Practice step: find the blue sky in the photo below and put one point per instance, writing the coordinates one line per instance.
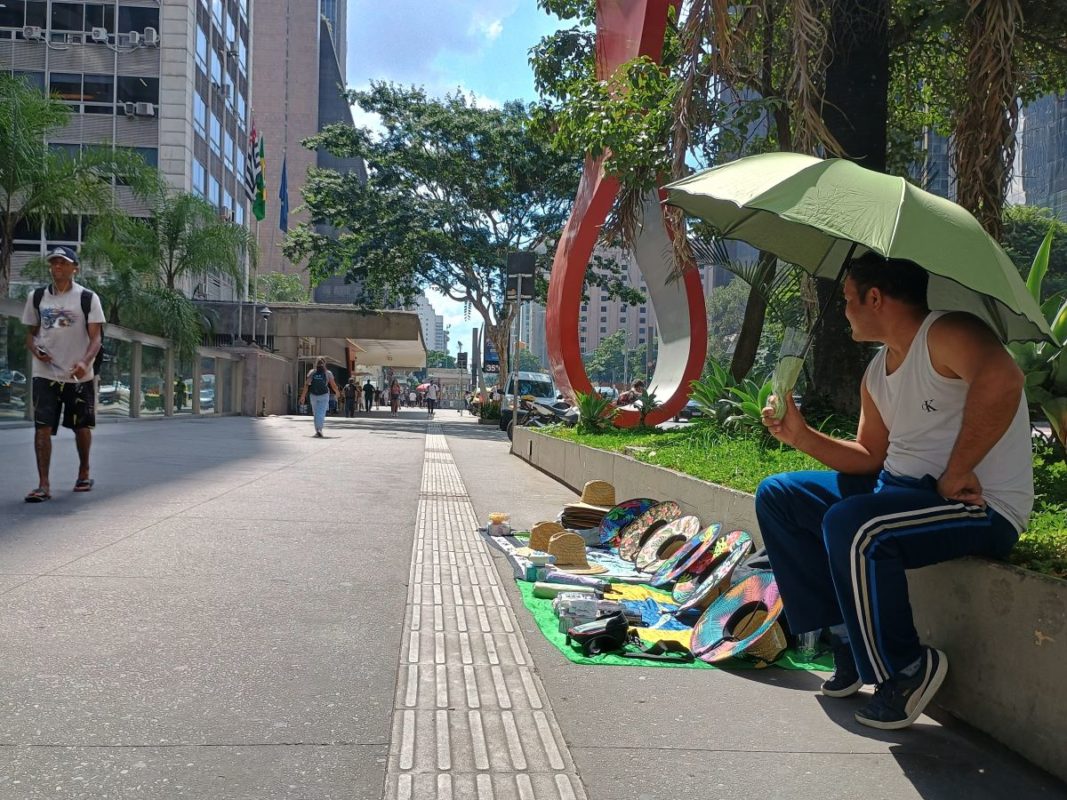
(479, 46)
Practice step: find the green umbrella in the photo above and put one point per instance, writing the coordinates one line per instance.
(817, 213)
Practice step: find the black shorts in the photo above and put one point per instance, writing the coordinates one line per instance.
(431, 404)
(77, 401)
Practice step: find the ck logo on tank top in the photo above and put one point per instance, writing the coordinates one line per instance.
(928, 406)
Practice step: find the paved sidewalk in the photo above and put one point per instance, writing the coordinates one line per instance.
(228, 615)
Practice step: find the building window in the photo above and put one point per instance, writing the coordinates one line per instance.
(641, 320)
(201, 48)
(216, 134)
(239, 214)
(213, 190)
(33, 79)
(603, 329)
(641, 340)
(199, 115)
(99, 16)
(216, 68)
(138, 90)
(67, 86)
(216, 12)
(199, 178)
(68, 17)
(99, 89)
(135, 18)
(603, 319)
(227, 150)
(149, 154)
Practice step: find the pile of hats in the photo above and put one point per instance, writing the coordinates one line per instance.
(597, 499)
(698, 565)
(566, 549)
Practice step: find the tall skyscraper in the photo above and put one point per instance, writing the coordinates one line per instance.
(1044, 154)
(168, 80)
(296, 95)
(336, 13)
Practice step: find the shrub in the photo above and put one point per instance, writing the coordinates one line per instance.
(490, 410)
(595, 412)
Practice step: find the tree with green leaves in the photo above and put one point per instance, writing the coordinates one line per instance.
(607, 362)
(281, 287)
(41, 185)
(1025, 228)
(440, 359)
(136, 263)
(528, 362)
(452, 189)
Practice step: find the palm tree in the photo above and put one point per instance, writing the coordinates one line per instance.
(143, 260)
(40, 185)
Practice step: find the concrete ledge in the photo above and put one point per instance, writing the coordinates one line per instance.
(1003, 628)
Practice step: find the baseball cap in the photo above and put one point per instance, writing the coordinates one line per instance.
(62, 251)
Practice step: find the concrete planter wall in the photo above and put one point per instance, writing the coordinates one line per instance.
(1004, 628)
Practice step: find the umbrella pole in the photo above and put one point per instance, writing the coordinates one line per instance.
(829, 299)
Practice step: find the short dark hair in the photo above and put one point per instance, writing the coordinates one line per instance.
(898, 278)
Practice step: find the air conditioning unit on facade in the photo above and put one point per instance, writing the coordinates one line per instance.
(145, 110)
(226, 214)
(151, 37)
(130, 109)
(99, 35)
(134, 38)
(33, 33)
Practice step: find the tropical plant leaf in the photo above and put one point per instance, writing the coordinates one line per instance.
(1040, 265)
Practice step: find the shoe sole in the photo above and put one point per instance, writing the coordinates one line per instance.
(924, 699)
(848, 691)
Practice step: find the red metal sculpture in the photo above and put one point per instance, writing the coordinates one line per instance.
(626, 29)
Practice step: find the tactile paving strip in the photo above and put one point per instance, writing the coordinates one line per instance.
(471, 718)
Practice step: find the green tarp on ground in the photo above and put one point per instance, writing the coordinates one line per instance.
(548, 622)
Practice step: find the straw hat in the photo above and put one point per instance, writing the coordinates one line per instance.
(744, 621)
(598, 495)
(540, 533)
(569, 550)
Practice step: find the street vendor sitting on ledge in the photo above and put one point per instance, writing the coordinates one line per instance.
(941, 468)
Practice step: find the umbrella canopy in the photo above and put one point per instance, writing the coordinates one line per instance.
(422, 387)
(810, 211)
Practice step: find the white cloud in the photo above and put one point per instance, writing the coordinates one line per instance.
(490, 30)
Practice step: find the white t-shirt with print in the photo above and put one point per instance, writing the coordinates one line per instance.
(431, 392)
(62, 332)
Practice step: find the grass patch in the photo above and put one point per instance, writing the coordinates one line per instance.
(741, 462)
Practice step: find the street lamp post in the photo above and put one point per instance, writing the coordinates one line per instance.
(265, 313)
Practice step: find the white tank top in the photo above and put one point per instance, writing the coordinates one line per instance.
(923, 411)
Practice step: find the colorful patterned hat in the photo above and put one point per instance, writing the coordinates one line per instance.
(622, 515)
(637, 532)
(665, 542)
(744, 621)
(708, 576)
(717, 580)
(677, 565)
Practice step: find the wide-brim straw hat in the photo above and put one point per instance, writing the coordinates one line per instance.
(675, 566)
(596, 495)
(744, 621)
(569, 550)
(622, 515)
(637, 532)
(715, 582)
(665, 542)
(540, 534)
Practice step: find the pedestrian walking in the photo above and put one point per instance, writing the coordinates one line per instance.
(431, 399)
(351, 397)
(319, 387)
(65, 333)
(412, 398)
(394, 397)
(941, 468)
(368, 395)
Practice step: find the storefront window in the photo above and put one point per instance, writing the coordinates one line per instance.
(224, 386)
(152, 374)
(183, 386)
(15, 370)
(207, 386)
(114, 397)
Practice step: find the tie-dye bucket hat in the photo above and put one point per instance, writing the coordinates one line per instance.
(678, 564)
(618, 517)
(743, 622)
(634, 535)
(712, 570)
(665, 542)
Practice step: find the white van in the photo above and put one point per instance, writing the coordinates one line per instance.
(538, 384)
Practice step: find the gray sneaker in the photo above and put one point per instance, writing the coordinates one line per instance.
(900, 700)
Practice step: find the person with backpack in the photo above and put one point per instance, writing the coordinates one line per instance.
(65, 337)
(351, 395)
(319, 386)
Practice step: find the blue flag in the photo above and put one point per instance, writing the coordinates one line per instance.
(283, 197)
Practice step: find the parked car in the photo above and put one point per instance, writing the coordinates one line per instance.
(607, 392)
(207, 399)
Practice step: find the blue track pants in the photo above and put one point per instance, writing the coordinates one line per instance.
(839, 545)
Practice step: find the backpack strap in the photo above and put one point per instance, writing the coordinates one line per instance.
(87, 306)
(38, 294)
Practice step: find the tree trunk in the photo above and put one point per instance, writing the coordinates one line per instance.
(856, 112)
(748, 338)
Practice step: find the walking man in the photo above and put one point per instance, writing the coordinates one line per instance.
(941, 468)
(351, 394)
(65, 324)
(368, 395)
(431, 399)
